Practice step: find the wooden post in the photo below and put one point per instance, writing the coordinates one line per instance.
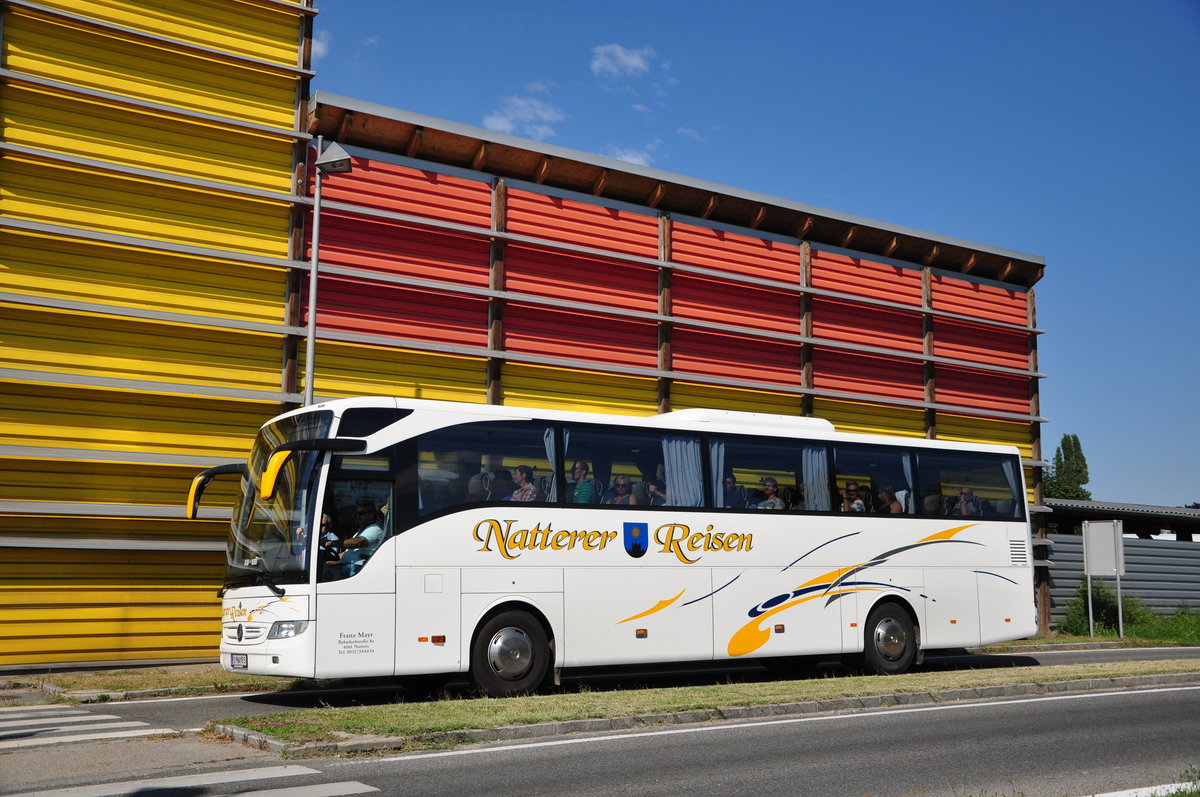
(495, 365)
(664, 308)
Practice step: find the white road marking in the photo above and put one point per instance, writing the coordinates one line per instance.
(179, 781)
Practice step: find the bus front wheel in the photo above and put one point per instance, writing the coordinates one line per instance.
(891, 640)
(510, 655)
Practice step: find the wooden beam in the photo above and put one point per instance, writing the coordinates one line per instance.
(709, 206)
(849, 236)
(543, 169)
(600, 184)
(414, 143)
(656, 195)
(759, 215)
(933, 253)
(1007, 271)
(344, 126)
(970, 264)
(480, 156)
(891, 247)
(805, 228)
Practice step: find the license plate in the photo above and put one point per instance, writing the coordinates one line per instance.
(238, 661)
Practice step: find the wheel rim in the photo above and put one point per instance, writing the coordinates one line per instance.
(510, 653)
(891, 640)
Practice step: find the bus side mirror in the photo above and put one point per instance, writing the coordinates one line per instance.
(203, 479)
(275, 463)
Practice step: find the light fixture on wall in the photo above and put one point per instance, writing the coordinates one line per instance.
(330, 160)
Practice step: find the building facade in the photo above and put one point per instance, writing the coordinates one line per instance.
(156, 221)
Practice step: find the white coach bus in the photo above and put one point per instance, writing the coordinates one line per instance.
(395, 537)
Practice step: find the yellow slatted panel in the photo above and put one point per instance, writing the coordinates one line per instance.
(49, 120)
(849, 416)
(56, 194)
(583, 391)
(250, 29)
(347, 369)
(85, 419)
(79, 55)
(106, 482)
(982, 430)
(686, 394)
(109, 348)
(39, 265)
(67, 605)
(120, 528)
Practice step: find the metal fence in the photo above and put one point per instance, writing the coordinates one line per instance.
(1163, 574)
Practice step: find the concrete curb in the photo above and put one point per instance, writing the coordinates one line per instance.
(370, 744)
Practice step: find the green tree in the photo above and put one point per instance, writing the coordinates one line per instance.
(1069, 471)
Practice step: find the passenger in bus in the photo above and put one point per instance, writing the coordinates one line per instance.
(799, 502)
(966, 505)
(526, 489)
(887, 503)
(733, 497)
(657, 491)
(585, 490)
(622, 492)
(771, 498)
(851, 500)
(502, 486)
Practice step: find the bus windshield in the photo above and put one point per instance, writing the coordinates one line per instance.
(270, 539)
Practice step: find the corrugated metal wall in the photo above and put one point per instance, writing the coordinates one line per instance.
(1165, 575)
(152, 252)
(150, 149)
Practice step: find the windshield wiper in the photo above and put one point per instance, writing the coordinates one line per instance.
(249, 580)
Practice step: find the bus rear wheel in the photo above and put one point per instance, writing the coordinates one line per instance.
(891, 640)
(510, 655)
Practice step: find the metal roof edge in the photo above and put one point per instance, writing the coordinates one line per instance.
(470, 131)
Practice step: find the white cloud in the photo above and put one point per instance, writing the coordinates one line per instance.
(320, 45)
(615, 61)
(540, 86)
(370, 41)
(691, 133)
(642, 157)
(637, 106)
(526, 116)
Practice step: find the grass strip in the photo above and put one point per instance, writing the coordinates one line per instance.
(451, 713)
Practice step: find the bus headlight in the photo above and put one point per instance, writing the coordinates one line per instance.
(286, 629)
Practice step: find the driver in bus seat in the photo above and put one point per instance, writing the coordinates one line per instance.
(359, 548)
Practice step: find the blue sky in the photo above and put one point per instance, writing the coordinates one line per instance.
(1064, 129)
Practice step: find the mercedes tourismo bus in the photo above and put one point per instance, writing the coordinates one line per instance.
(395, 537)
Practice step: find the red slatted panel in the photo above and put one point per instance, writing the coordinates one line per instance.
(859, 277)
(724, 302)
(582, 224)
(846, 372)
(376, 245)
(372, 308)
(734, 357)
(737, 254)
(965, 387)
(557, 275)
(580, 336)
(866, 325)
(980, 344)
(401, 189)
(980, 301)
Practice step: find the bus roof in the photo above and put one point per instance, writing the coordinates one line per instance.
(691, 419)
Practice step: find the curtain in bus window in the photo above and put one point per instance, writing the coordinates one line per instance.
(684, 476)
(548, 439)
(716, 460)
(816, 477)
(1014, 486)
(905, 496)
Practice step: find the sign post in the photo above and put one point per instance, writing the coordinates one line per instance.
(1104, 555)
